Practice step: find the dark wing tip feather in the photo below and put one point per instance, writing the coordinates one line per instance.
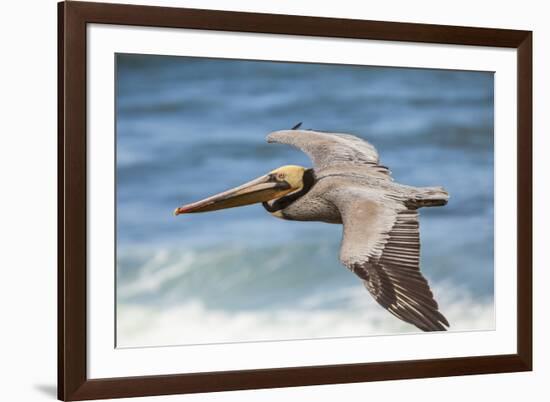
(297, 126)
(404, 299)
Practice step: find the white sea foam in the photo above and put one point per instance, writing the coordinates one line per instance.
(193, 323)
(192, 296)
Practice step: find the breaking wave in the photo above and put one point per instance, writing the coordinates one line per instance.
(174, 297)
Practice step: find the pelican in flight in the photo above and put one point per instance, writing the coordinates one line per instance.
(348, 186)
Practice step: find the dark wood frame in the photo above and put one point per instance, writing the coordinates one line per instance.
(73, 383)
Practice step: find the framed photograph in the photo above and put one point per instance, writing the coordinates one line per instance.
(242, 200)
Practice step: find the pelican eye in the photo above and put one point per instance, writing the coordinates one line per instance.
(281, 176)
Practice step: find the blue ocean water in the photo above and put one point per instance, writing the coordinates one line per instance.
(191, 127)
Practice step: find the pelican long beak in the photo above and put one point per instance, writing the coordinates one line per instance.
(262, 189)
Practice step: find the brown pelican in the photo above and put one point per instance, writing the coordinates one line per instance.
(347, 185)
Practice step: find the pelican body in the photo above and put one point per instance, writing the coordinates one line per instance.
(348, 186)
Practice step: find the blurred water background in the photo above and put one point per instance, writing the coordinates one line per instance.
(188, 128)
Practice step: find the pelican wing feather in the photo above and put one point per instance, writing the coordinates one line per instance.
(381, 245)
(328, 149)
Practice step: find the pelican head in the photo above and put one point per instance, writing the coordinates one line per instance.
(274, 185)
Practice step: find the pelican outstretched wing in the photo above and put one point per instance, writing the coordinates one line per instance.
(328, 149)
(381, 245)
